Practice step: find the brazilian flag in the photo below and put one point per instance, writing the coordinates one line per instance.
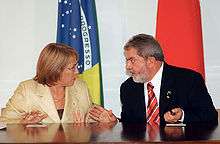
(77, 27)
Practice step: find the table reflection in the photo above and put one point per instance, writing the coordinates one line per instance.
(201, 132)
(107, 132)
(133, 131)
(56, 132)
(173, 133)
(143, 132)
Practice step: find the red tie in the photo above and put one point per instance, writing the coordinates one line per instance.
(152, 107)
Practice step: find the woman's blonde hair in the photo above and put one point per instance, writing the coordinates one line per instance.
(52, 61)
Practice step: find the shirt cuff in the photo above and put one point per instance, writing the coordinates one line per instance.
(182, 118)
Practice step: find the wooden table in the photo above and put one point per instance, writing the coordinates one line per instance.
(101, 133)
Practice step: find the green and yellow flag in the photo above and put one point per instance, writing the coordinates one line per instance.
(77, 27)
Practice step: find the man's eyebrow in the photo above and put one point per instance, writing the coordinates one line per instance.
(129, 58)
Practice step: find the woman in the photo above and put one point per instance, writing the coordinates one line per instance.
(55, 94)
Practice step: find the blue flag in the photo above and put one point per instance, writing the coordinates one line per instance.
(77, 27)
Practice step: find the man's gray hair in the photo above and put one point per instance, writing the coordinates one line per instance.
(146, 46)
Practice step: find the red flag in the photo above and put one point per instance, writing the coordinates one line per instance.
(179, 32)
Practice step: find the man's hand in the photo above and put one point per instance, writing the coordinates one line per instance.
(33, 117)
(173, 115)
(100, 114)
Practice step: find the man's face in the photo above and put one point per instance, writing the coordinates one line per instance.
(136, 66)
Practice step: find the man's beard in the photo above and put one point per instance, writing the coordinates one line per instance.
(138, 78)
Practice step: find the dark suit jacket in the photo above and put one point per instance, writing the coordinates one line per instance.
(182, 87)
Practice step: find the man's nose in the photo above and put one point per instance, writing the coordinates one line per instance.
(128, 66)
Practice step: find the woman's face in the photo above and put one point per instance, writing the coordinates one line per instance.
(69, 74)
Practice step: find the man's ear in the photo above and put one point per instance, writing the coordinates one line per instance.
(151, 61)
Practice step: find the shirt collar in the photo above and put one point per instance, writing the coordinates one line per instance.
(156, 80)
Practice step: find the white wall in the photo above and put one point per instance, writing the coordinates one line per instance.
(118, 20)
(211, 38)
(26, 26)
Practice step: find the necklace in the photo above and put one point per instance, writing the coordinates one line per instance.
(58, 94)
(59, 104)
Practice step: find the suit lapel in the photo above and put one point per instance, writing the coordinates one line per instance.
(46, 102)
(142, 99)
(71, 102)
(138, 100)
(166, 90)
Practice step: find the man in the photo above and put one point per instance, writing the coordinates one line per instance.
(160, 93)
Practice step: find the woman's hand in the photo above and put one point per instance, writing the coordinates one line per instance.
(102, 127)
(100, 114)
(33, 117)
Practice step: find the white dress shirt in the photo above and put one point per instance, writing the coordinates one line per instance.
(156, 82)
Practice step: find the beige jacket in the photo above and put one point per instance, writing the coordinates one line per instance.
(31, 96)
